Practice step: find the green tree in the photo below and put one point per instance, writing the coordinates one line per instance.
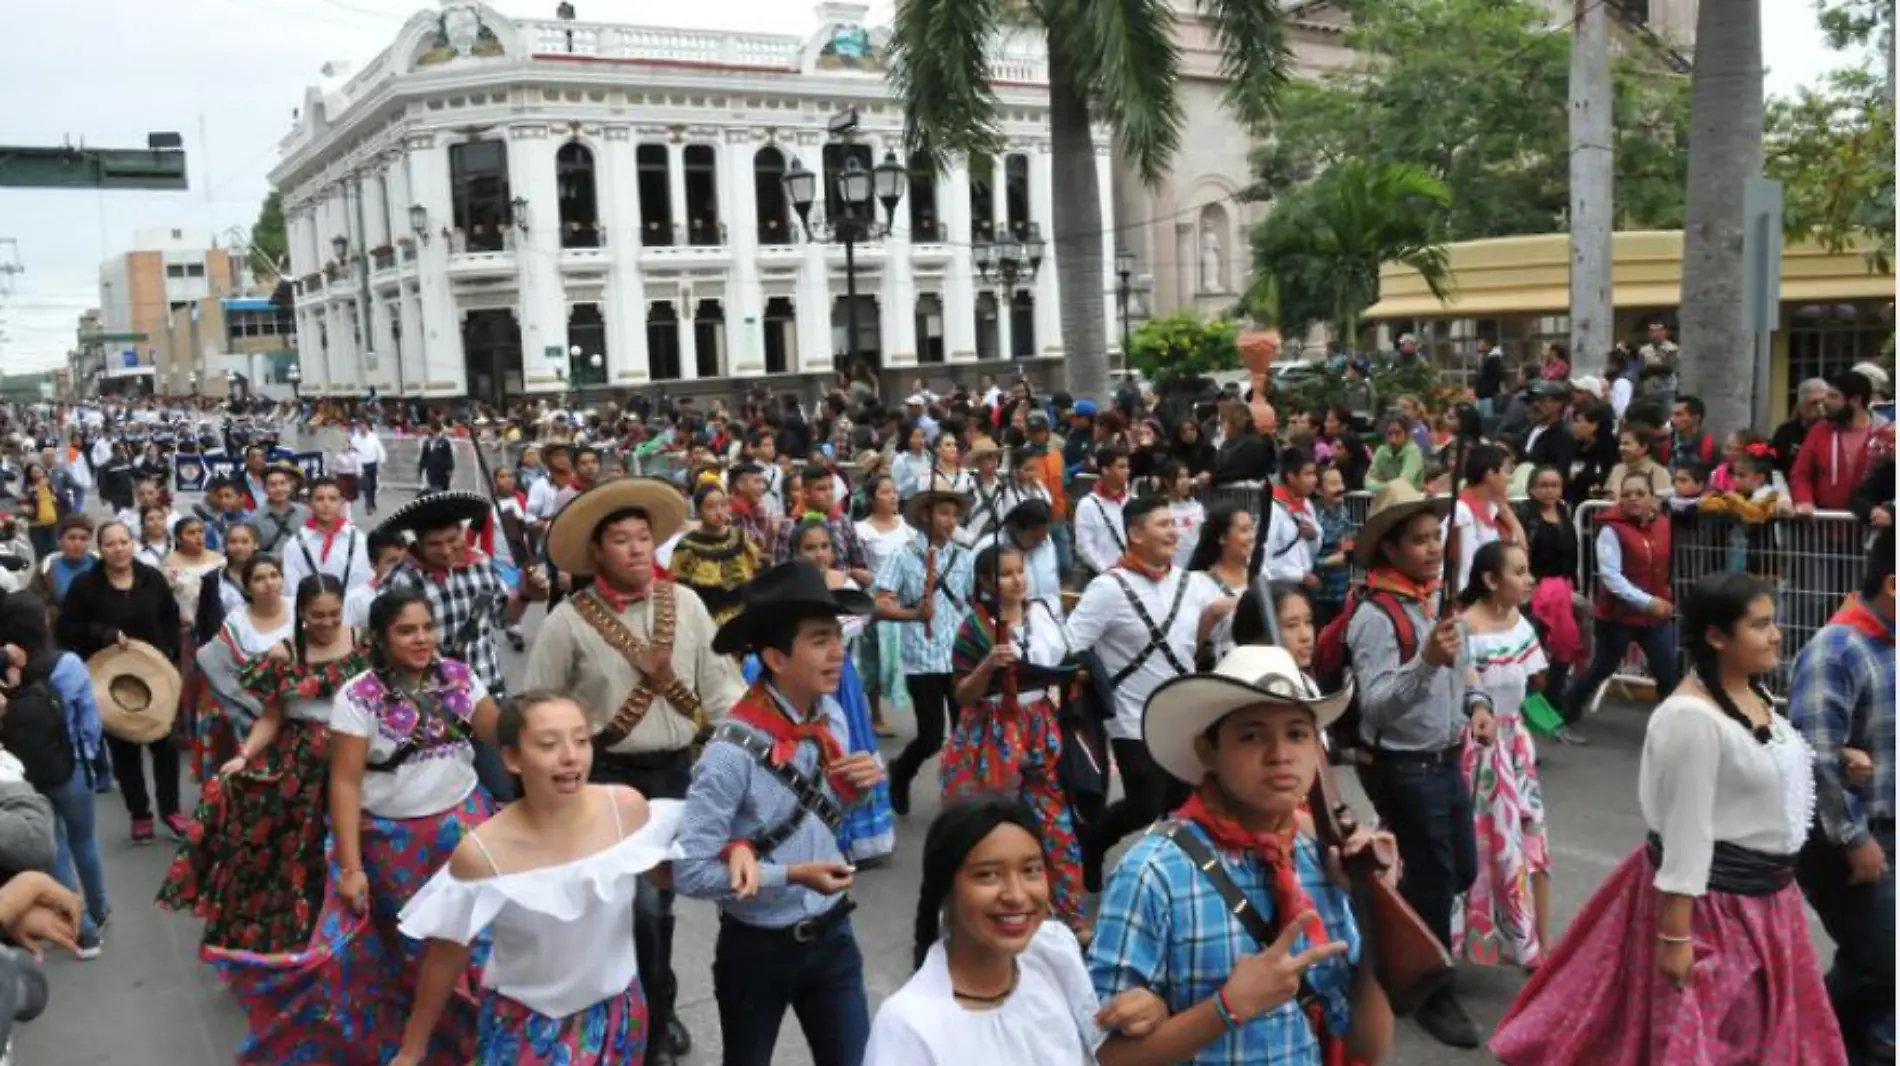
(1114, 62)
(1181, 347)
(1317, 254)
(1476, 91)
(270, 247)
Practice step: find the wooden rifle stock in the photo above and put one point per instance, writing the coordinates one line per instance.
(1407, 958)
(930, 584)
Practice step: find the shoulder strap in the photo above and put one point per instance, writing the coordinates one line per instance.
(1402, 627)
(634, 709)
(807, 791)
(476, 838)
(1157, 635)
(1101, 509)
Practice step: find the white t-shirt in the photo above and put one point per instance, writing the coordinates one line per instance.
(1049, 1020)
(429, 782)
(1189, 517)
(879, 546)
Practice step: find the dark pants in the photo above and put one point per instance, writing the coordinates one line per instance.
(1860, 919)
(129, 768)
(933, 697)
(655, 775)
(492, 772)
(1613, 640)
(757, 973)
(1426, 807)
(1148, 792)
(366, 485)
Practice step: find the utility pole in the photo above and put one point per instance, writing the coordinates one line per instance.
(1592, 185)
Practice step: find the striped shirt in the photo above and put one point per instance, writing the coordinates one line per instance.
(1842, 696)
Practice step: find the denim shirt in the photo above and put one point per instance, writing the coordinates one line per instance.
(72, 685)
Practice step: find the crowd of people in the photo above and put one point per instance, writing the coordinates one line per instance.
(400, 850)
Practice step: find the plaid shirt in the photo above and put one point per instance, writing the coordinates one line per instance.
(1162, 927)
(1843, 697)
(846, 549)
(757, 525)
(903, 577)
(841, 431)
(1334, 527)
(468, 604)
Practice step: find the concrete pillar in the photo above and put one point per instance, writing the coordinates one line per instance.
(542, 298)
(959, 291)
(616, 184)
(744, 301)
(676, 179)
(1105, 177)
(442, 369)
(688, 339)
(1048, 288)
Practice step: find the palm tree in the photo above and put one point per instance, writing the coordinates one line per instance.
(1725, 149)
(1317, 253)
(1110, 61)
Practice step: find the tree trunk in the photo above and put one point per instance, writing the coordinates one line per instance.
(1078, 233)
(1725, 149)
(1592, 184)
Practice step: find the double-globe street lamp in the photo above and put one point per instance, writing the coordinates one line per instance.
(1010, 259)
(855, 222)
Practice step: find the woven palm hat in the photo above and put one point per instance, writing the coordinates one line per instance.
(137, 690)
(571, 534)
(1393, 507)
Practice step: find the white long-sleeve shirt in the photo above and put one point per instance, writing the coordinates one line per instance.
(1472, 535)
(1289, 555)
(1101, 537)
(347, 559)
(1610, 571)
(1105, 621)
(368, 448)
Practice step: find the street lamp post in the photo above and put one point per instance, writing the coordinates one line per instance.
(1125, 272)
(856, 222)
(1010, 260)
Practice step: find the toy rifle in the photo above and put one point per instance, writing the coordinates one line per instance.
(930, 584)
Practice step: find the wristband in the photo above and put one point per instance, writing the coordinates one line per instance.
(1227, 1016)
(1667, 939)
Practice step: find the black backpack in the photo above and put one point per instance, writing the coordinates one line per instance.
(34, 730)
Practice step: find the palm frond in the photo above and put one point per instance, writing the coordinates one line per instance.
(1123, 51)
(939, 64)
(1256, 60)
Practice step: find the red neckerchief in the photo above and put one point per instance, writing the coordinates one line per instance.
(1156, 574)
(1385, 579)
(441, 575)
(329, 535)
(618, 602)
(1857, 615)
(1481, 513)
(760, 710)
(1275, 852)
(1296, 505)
(1111, 497)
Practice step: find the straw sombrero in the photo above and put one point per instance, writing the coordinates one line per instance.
(137, 690)
(572, 532)
(917, 509)
(1392, 507)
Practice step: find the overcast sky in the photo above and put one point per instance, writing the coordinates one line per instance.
(225, 74)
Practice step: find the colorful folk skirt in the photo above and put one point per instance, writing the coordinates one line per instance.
(215, 736)
(869, 829)
(990, 751)
(881, 664)
(1498, 922)
(343, 999)
(1754, 997)
(253, 865)
(612, 1032)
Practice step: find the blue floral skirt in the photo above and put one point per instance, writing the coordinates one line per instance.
(612, 1032)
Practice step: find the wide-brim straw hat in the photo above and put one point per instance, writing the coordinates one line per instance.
(917, 509)
(786, 592)
(571, 535)
(137, 690)
(983, 449)
(1182, 709)
(436, 510)
(1392, 507)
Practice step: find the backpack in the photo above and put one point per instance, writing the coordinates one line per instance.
(34, 730)
(1332, 658)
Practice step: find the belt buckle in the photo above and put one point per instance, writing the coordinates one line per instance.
(803, 933)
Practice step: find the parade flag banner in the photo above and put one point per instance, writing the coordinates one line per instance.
(191, 473)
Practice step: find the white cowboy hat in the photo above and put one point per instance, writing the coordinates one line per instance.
(1183, 708)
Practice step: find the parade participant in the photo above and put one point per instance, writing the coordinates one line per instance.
(155, 537)
(1842, 701)
(467, 597)
(1100, 530)
(926, 588)
(1483, 513)
(987, 493)
(327, 543)
(223, 509)
(883, 533)
(761, 450)
(1189, 514)
(75, 557)
(715, 559)
(435, 460)
(1292, 529)
(1144, 620)
(402, 794)
(1696, 949)
(1223, 555)
(1028, 527)
(253, 867)
(281, 516)
(586, 476)
(749, 511)
(911, 466)
(145, 494)
(543, 493)
(40, 507)
(635, 650)
(119, 601)
(1008, 741)
(227, 710)
(1229, 911)
(995, 983)
(821, 498)
(115, 478)
(563, 984)
(185, 568)
(386, 549)
(1633, 597)
(773, 784)
(1506, 913)
(370, 456)
(1415, 705)
(251, 480)
(222, 590)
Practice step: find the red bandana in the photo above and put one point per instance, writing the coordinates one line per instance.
(617, 602)
(1384, 579)
(441, 575)
(1858, 615)
(760, 710)
(1289, 898)
(329, 535)
(1111, 497)
(1297, 505)
(1152, 573)
(1482, 514)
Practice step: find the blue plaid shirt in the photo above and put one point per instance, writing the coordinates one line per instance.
(1162, 927)
(1842, 696)
(1334, 527)
(903, 577)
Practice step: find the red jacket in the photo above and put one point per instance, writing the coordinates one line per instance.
(1825, 474)
(1645, 564)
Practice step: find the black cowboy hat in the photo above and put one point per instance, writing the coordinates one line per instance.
(786, 592)
(434, 511)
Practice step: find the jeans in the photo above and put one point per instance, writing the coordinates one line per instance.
(79, 500)
(1613, 640)
(492, 772)
(757, 973)
(933, 698)
(656, 775)
(1426, 807)
(1148, 792)
(366, 485)
(73, 813)
(1860, 919)
(129, 768)
(45, 540)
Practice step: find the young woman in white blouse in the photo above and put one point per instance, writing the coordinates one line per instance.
(1696, 950)
(996, 983)
(552, 879)
(883, 533)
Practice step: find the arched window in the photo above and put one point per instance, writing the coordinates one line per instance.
(922, 194)
(709, 338)
(574, 180)
(663, 342)
(656, 195)
(929, 328)
(586, 345)
(768, 192)
(834, 156)
(702, 195)
(982, 200)
(781, 335)
(479, 196)
(1016, 193)
(986, 327)
(1022, 324)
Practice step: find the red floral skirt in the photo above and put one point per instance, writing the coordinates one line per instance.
(253, 864)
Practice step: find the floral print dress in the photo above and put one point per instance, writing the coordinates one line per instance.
(1498, 922)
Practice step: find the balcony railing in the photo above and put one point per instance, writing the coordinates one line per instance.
(601, 41)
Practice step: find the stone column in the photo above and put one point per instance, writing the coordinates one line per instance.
(542, 297)
(676, 180)
(1104, 178)
(744, 301)
(616, 183)
(441, 367)
(815, 346)
(688, 339)
(1048, 288)
(959, 288)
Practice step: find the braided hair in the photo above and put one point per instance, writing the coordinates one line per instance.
(1720, 601)
(308, 591)
(989, 563)
(383, 612)
(953, 835)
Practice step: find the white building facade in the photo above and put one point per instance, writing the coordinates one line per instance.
(497, 207)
